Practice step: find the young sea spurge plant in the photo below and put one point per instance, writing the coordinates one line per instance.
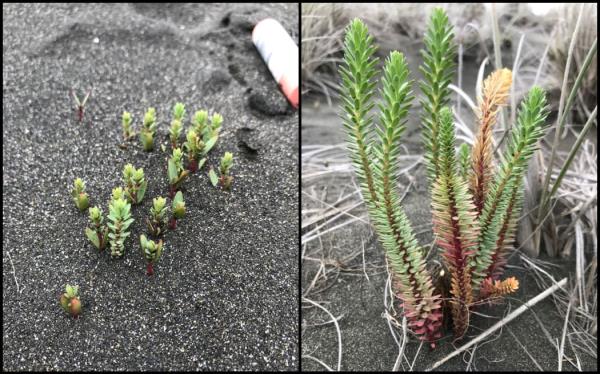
(79, 195)
(226, 163)
(135, 184)
(158, 217)
(70, 302)
(175, 133)
(175, 171)
(178, 210)
(148, 130)
(97, 233)
(194, 146)
(126, 121)
(475, 208)
(151, 252)
(177, 124)
(209, 132)
(81, 103)
(119, 218)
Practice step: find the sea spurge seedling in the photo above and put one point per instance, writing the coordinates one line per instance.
(135, 183)
(199, 122)
(209, 133)
(70, 302)
(178, 209)
(151, 252)
(175, 171)
(81, 103)
(117, 193)
(97, 233)
(79, 195)
(119, 221)
(127, 129)
(194, 146)
(179, 111)
(158, 217)
(226, 162)
(175, 133)
(475, 209)
(148, 129)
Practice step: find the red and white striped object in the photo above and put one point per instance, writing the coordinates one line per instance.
(280, 53)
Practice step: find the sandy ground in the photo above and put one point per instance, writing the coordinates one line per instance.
(224, 294)
(367, 342)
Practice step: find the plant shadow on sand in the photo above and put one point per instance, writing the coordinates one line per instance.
(224, 293)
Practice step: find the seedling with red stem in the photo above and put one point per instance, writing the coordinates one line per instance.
(81, 103)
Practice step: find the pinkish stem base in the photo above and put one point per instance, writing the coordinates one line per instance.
(149, 269)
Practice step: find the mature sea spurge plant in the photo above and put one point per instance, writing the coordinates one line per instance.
(474, 206)
(158, 217)
(148, 129)
(70, 302)
(79, 195)
(178, 209)
(97, 233)
(175, 171)
(135, 183)
(126, 120)
(119, 218)
(151, 252)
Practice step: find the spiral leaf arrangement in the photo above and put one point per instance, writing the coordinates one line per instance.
(475, 208)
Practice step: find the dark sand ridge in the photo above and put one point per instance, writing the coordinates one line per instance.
(224, 294)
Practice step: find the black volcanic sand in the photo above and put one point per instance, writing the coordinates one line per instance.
(367, 342)
(224, 294)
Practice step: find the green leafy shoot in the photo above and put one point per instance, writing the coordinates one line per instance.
(135, 183)
(126, 121)
(226, 162)
(80, 197)
(97, 233)
(175, 171)
(178, 209)
(119, 220)
(157, 221)
(148, 129)
(151, 252)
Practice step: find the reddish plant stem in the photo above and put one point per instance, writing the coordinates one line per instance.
(172, 223)
(149, 269)
(193, 165)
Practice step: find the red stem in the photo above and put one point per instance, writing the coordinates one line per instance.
(172, 223)
(149, 269)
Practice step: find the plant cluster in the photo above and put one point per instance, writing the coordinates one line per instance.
(70, 302)
(475, 205)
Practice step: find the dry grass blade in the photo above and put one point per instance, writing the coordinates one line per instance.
(337, 327)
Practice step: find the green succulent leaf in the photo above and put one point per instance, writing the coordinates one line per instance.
(93, 237)
(214, 179)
